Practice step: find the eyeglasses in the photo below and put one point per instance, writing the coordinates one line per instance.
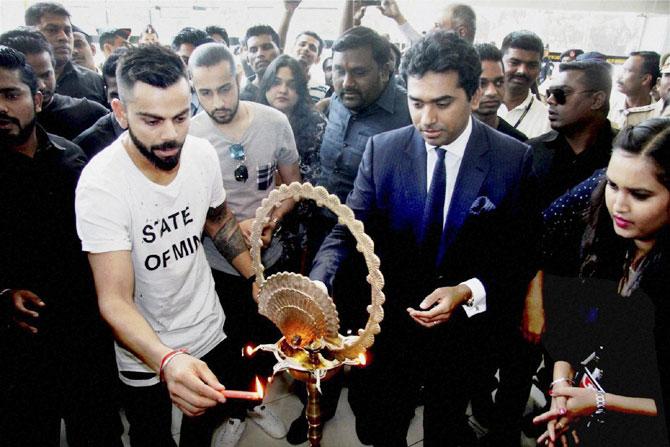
(561, 95)
(236, 152)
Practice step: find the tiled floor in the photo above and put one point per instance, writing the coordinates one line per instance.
(338, 432)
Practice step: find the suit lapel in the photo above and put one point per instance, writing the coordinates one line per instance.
(474, 167)
(414, 179)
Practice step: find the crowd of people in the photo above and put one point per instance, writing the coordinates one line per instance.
(521, 216)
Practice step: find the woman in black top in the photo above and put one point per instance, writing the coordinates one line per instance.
(607, 316)
(284, 87)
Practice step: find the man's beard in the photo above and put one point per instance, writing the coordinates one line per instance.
(10, 141)
(226, 118)
(164, 164)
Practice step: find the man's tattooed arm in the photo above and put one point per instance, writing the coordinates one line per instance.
(222, 227)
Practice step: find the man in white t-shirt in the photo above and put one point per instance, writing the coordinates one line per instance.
(522, 59)
(253, 143)
(142, 205)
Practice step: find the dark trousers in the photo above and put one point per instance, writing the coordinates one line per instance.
(384, 395)
(517, 361)
(149, 409)
(49, 376)
(245, 326)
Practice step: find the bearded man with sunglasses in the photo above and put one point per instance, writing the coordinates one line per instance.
(581, 137)
(254, 144)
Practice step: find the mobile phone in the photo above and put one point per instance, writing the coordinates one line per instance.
(371, 2)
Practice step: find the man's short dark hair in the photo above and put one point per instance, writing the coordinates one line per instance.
(190, 35)
(155, 65)
(27, 40)
(11, 59)
(523, 40)
(109, 35)
(314, 35)
(360, 37)
(488, 52)
(109, 67)
(596, 76)
(259, 30)
(213, 29)
(651, 64)
(465, 16)
(211, 54)
(35, 12)
(440, 51)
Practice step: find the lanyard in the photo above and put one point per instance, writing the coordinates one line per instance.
(525, 112)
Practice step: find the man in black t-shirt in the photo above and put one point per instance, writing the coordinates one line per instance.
(58, 357)
(106, 129)
(581, 137)
(53, 21)
(62, 115)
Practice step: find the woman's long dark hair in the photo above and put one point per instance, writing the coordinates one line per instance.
(602, 250)
(302, 118)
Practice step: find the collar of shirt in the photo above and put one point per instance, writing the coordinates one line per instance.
(522, 106)
(456, 147)
(387, 99)
(44, 142)
(67, 69)
(649, 107)
(452, 160)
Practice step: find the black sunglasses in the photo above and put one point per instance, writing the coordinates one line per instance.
(236, 152)
(560, 95)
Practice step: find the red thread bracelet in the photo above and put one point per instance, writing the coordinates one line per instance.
(167, 358)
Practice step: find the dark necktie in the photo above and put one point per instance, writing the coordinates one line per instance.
(433, 213)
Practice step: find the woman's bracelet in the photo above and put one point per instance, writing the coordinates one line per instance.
(167, 358)
(559, 380)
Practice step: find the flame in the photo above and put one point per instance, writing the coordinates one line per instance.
(362, 359)
(259, 388)
(249, 350)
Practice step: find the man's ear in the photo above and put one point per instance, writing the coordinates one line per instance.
(37, 101)
(476, 97)
(94, 50)
(474, 106)
(461, 31)
(386, 70)
(649, 80)
(107, 48)
(120, 112)
(599, 100)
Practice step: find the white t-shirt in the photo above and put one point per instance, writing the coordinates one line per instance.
(118, 208)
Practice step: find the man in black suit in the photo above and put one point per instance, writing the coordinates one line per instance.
(448, 203)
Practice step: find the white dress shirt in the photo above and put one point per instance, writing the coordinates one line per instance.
(452, 161)
(533, 123)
